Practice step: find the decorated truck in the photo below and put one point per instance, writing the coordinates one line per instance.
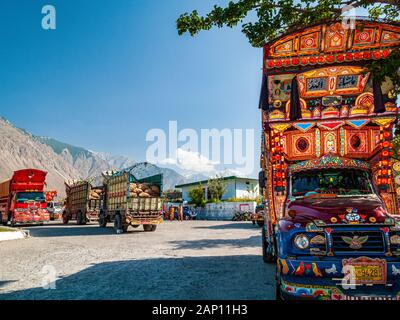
(331, 211)
(54, 208)
(83, 203)
(130, 201)
(22, 200)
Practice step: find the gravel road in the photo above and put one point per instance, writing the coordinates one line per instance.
(187, 260)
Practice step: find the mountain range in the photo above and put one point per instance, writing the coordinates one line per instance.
(20, 149)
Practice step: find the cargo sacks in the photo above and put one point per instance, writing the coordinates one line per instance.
(143, 190)
(95, 194)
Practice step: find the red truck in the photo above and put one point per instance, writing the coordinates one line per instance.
(22, 200)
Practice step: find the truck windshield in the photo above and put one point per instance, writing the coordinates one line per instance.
(30, 196)
(340, 182)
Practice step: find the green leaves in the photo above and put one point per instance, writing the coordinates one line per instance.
(274, 17)
(197, 196)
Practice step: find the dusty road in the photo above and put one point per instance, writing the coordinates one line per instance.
(188, 260)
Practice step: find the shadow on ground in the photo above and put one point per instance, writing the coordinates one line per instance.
(253, 241)
(3, 283)
(233, 225)
(219, 277)
(59, 230)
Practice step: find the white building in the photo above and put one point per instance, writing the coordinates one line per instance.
(236, 187)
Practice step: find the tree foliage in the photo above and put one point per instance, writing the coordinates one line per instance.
(197, 196)
(275, 17)
(216, 188)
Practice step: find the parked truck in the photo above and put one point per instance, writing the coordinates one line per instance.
(130, 201)
(22, 200)
(331, 215)
(83, 202)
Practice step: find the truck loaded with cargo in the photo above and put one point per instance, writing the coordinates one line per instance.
(132, 202)
(83, 202)
(123, 200)
(22, 200)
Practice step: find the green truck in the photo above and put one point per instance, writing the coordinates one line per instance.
(129, 201)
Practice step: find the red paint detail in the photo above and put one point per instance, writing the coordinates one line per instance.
(295, 61)
(300, 269)
(330, 58)
(340, 57)
(349, 56)
(377, 55)
(358, 55)
(385, 53)
(367, 55)
(385, 229)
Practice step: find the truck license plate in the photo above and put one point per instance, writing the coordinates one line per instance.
(366, 270)
(369, 274)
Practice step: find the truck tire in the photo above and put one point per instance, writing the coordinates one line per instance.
(268, 251)
(118, 224)
(79, 218)
(65, 218)
(278, 290)
(102, 221)
(149, 227)
(4, 223)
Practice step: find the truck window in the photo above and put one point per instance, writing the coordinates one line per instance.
(340, 182)
(30, 196)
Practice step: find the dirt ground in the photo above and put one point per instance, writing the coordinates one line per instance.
(188, 260)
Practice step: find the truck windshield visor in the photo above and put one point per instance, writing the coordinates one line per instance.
(23, 197)
(341, 182)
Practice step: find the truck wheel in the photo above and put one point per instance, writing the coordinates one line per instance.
(79, 218)
(149, 227)
(278, 290)
(260, 223)
(102, 221)
(65, 219)
(268, 252)
(118, 224)
(4, 223)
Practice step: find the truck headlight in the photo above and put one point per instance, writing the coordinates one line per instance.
(301, 241)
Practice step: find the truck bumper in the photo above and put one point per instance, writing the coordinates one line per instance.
(324, 280)
(142, 221)
(30, 218)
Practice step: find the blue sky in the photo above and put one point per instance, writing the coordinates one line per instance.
(112, 70)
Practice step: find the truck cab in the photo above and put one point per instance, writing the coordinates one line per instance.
(331, 217)
(22, 200)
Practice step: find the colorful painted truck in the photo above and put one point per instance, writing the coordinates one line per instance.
(132, 202)
(83, 203)
(22, 200)
(331, 211)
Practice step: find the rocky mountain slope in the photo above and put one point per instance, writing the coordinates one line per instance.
(19, 149)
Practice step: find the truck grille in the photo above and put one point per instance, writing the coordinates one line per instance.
(365, 241)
